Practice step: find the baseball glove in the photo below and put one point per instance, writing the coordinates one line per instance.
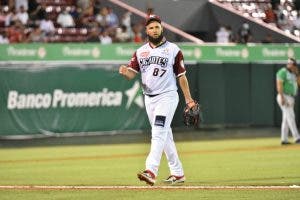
(192, 116)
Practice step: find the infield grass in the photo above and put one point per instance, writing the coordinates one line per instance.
(236, 162)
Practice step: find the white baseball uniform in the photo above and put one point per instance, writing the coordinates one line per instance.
(290, 88)
(159, 68)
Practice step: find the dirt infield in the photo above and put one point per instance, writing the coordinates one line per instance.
(51, 187)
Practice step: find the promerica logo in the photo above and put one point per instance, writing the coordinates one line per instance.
(61, 99)
(273, 52)
(26, 52)
(77, 51)
(238, 53)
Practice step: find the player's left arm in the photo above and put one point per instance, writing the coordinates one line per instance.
(180, 71)
(184, 85)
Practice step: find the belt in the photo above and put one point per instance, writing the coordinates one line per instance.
(151, 95)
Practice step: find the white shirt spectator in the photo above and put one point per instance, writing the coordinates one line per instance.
(3, 39)
(105, 38)
(222, 35)
(64, 19)
(296, 22)
(22, 15)
(47, 26)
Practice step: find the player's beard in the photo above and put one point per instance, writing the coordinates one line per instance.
(156, 41)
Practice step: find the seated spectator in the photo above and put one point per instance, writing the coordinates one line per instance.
(101, 17)
(122, 35)
(39, 13)
(105, 38)
(47, 26)
(3, 38)
(2, 17)
(126, 20)
(222, 35)
(94, 35)
(137, 33)
(112, 19)
(15, 33)
(65, 20)
(36, 35)
(270, 15)
(296, 22)
(22, 15)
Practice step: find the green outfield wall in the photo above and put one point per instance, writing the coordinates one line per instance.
(54, 89)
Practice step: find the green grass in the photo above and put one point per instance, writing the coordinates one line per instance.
(235, 162)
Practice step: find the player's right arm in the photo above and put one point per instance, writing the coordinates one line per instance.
(130, 71)
(126, 72)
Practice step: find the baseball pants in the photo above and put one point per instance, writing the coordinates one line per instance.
(160, 110)
(288, 118)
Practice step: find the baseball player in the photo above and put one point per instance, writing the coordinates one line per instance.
(160, 62)
(287, 81)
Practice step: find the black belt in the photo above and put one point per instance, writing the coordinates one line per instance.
(151, 95)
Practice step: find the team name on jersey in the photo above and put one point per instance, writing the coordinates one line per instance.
(144, 62)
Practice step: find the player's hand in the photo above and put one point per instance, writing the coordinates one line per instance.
(190, 104)
(283, 101)
(123, 70)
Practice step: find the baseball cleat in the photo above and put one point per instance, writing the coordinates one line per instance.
(285, 143)
(297, 141)
(147, 176)
(175, 179)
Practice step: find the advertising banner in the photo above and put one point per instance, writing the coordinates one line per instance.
(122, 52)
(68, 99)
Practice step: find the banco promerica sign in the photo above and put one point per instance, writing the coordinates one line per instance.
(68, 99)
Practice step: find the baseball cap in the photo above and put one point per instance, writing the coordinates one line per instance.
(292, 61)
(151, 18)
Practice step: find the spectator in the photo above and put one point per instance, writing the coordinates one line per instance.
(112, 19)
(105, 38)
(101, 17)
(9, 16)
(270, 15)
(2, 17)
(126, 20)
(97, 6)
(245, 34)
(296, 22)
(36, 35)
(65, 20)
(22, 15)
(122, 34)
(3, 38)
(75, 12)
(232, 37)
(39, 13)
(222, 35)
(137, 33)
(47, 26)
(15, 33)
(94, 35)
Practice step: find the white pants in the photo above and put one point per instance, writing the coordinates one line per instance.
(160, 110)
(288, 118)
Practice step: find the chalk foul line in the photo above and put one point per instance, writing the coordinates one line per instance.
(51, 187)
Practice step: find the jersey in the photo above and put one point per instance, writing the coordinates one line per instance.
(289, 79)
(158, 66)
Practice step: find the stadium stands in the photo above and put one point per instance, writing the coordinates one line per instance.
(281, 14)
